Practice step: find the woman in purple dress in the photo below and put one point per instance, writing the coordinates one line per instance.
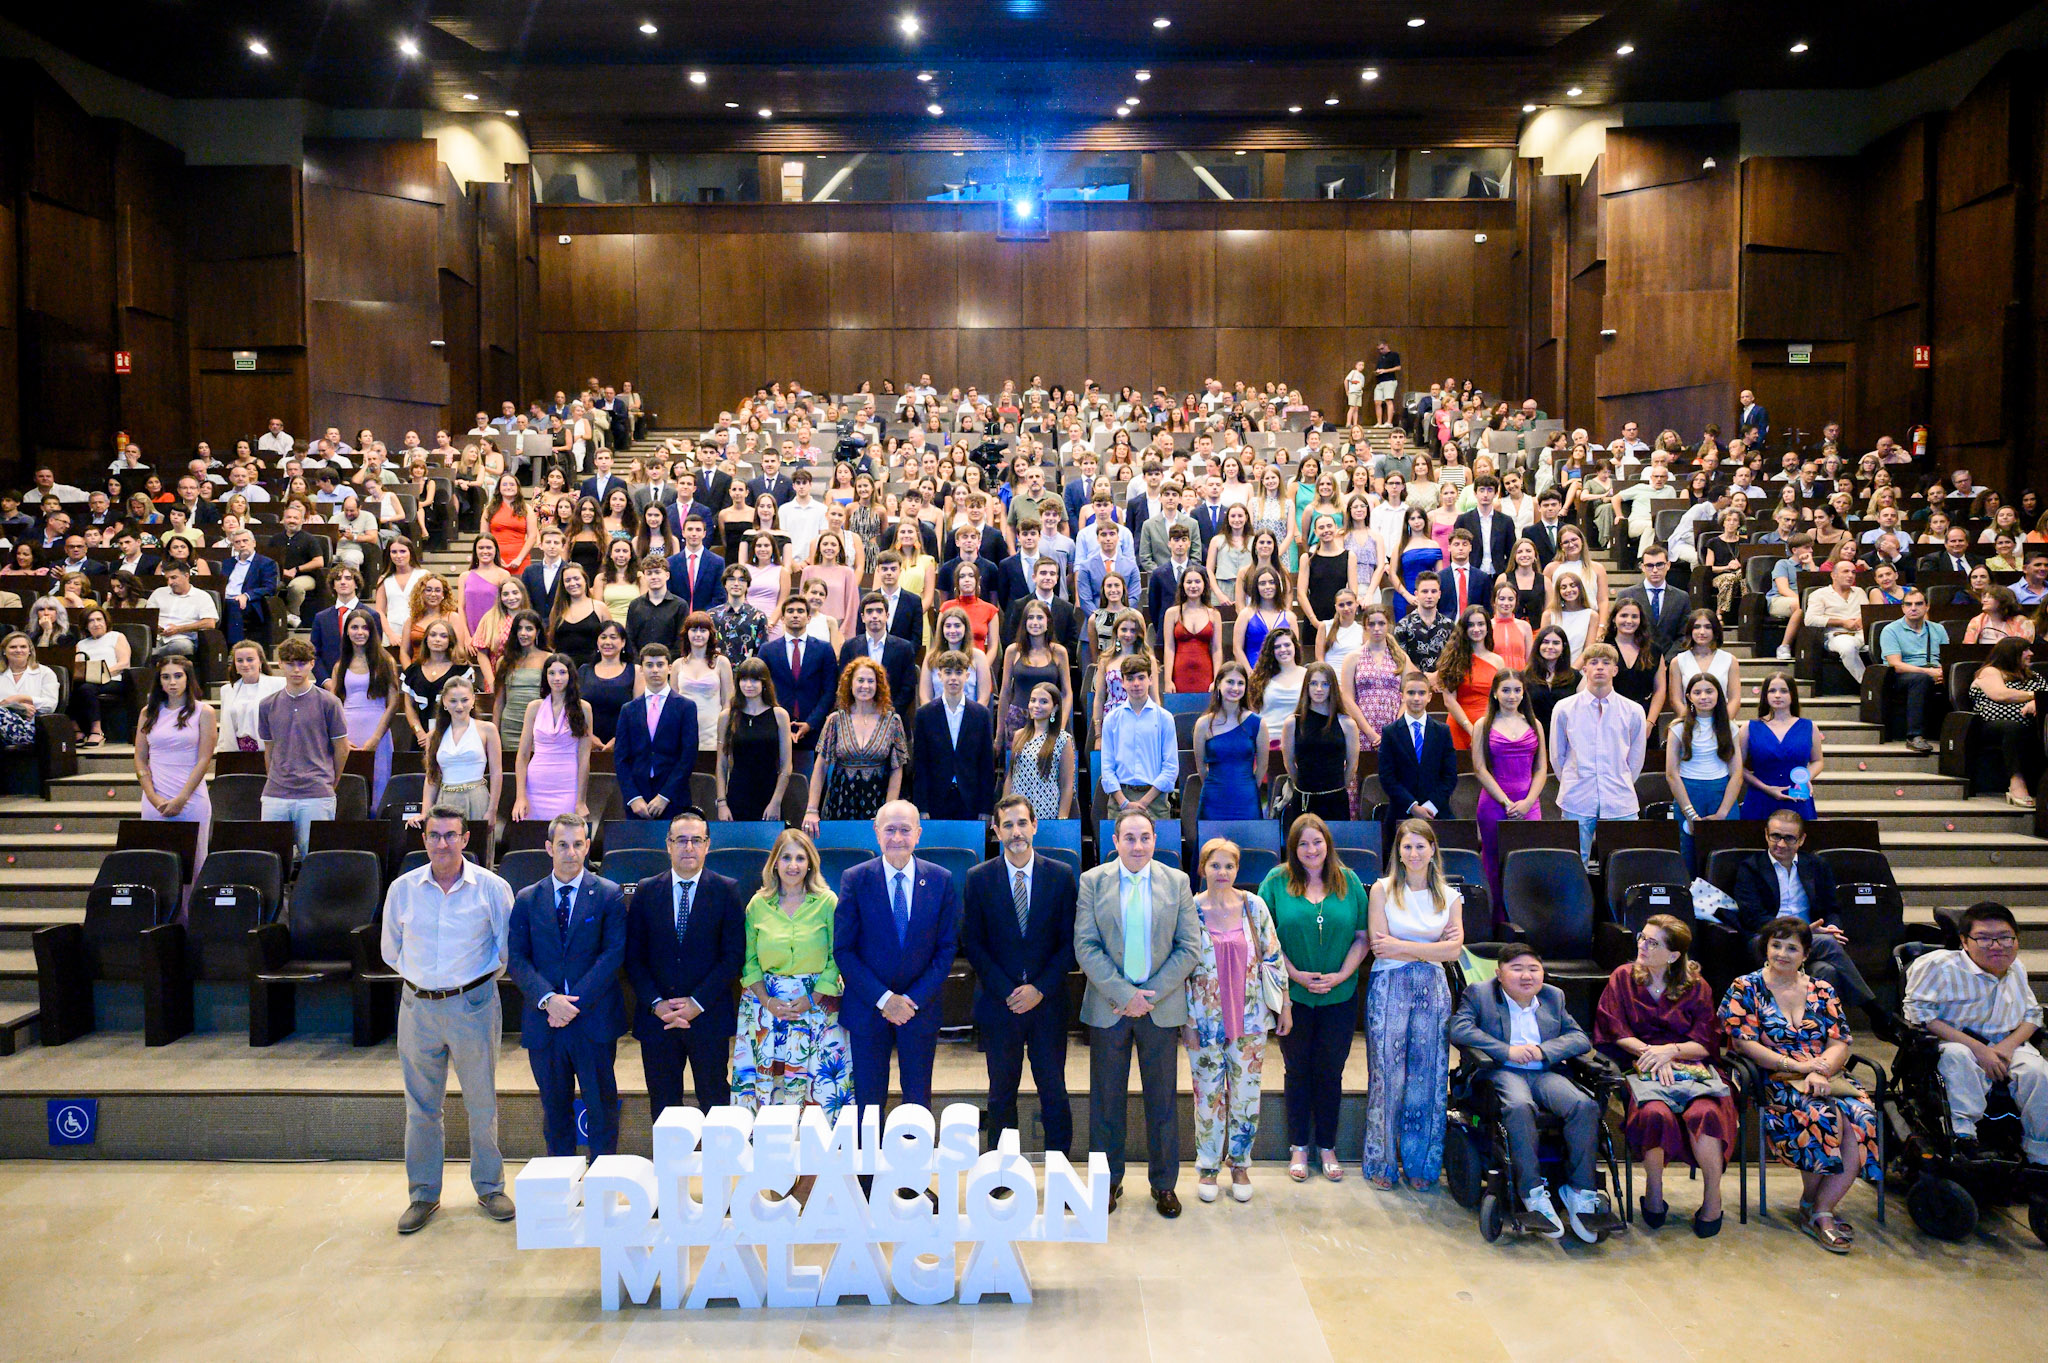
(366, 680)
(174, 740)
(554, 748)
(1508, 758)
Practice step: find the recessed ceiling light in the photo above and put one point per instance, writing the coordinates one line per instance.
(1239, 153)
(1294, 108)
(959, 153)
(511, 113)
(1329, 101)
(647, 27)
(470, 97)
(1370, 73)
(1142, 76)
(698, 78)
(408, 48)
(1123, 111)
(731, 104)
(934, 109)
(1528, 108)
(1162, 23)
(1798, 48)
(908, 23)
(257, 48)
(1417, 23)
(1130, 99)
(1422, 151)
(924, 76)
(1574, 92)
(1624, 49)
(766, 113)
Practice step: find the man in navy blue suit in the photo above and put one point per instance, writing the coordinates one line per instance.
(898, 659)
(806, 678)
(344, 585)
(603, 480)
(568, 940)
(250, 583)
(544, 574)
(1017, 929)
(952, 747)
(1418, 766)
(685, 941)
(1464, 585)
(893, 938)
(656, 747)
(1015, 575)
(695, 573)
(687, 503)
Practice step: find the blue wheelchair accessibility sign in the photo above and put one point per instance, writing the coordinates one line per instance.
(74, 1121)
(582, 1123)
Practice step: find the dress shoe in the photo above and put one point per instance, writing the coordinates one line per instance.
(417, 1215)
(1167, 1201)
(497, 1206)
(1703, 1228)
(1116, 1195)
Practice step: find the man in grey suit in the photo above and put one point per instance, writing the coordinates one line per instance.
(1136, 936)
(1521, 1031)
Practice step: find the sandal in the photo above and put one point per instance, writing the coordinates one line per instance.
(1332, 1170)
(92, 741)
(1385, 1185)
(1826, 1232)
(1421, 1185)
(1297, 1163)
(1240, 1183)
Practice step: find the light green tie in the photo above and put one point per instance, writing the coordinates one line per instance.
(1137, 936)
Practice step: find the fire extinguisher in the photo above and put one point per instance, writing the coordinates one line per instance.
(1919, 442)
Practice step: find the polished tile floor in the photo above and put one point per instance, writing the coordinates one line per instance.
(232, 1262)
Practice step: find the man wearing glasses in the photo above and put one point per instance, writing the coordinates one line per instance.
(446, 930)
(1782, 883)
(685, 937)
(1978, 1002)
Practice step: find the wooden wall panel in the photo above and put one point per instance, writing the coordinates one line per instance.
(986, 356)
(730, 289)
(1247, 279)
(1054, 281)
(393, 168)
(731, 365)
(1312, 270)
(1119, 279)
(1184, 279)
(931, 351)
(667, 378)
(796, 280)
(1120, 355)
(234, 212)
(1053, 351)
(991, 280)
(927, 278)
(792, 354)
(246, 304)
(1253, 352)
(1376, 267)
(1442, 288)
(1799, 203)
(665, 281)
(1182, 357)
(227, 402)
(1889, 394)
(1666, 340)
(1973, 294)
(462, 354)
(1678, 237)
(373, 246)
(860, 356)
(1651, 157)
(1976, 154)
(862, 283)
(369, 348)
(1803, 397)
(498, 270)
(1794, 296)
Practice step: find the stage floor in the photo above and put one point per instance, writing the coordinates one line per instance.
(250, 1262)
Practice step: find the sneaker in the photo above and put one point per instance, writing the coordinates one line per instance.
(1536, 1202)
(497, 1206)
(416, 1215)
(291, 622)
(1580, 1203)
(1784, 653)
(1919, 744)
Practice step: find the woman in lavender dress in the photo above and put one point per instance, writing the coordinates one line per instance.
(173, 749)
(1508, 758)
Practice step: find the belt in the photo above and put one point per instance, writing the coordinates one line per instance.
(420, 993)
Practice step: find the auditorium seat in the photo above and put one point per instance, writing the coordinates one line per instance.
(238, 798)
(1549, 902)
(524, 867)
(641, 834)
(628, 866)
(1166, 845)
(1258, 842)
(335, 896)
(163, 835)
(132, 893)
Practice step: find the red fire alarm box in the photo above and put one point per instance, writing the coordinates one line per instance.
(124, 363)
(1923, 357)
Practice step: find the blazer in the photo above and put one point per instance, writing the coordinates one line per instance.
(1066, 622)
(1409, 777)
(991, 573)
(1501, 532)
(661, 763)
(709, 588)
(1161, 587)
(872, 958)
(327, 637)
(1012, 583)
(678, 512)
(1939, 562)
(600, 487)
(714, 489)
(808, 699)
(907, 623)
(647, 495)
(899, 664)
(1668, 624)
(779, 485)
(1755, 415)
(1478, 591)
(1078, 493)
(1099, 939)
(538, 593)
(586, 965)
(1480, 1026)
(1207, 523)
(1544, 540)
(704, 966)
(260, 581)
(949, 782)
(1004, 955)
(1755, 890)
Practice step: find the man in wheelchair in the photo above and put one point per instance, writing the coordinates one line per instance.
(1978, 1004)
(1522, 1033)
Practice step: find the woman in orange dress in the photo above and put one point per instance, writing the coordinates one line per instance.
(1464, 675)
(981, 614)
(510, 522)
(1511, 633)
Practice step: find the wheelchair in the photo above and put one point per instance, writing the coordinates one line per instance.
(1948, 1185)
(1476, 1151)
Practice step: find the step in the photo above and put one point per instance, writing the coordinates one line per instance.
(56, 850)
(17, 1024)
(1876, 757)
(45, 888)
(121, 783)
(1835, 784)
(24, 817)
(1961, 886)
(18, 927)
(1907, 848)
(1931, 816)
(17, 965)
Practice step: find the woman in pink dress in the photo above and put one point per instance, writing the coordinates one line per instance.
(480, 584)
(1508, 759)
(554, 749)
(366, 680)
(174, 740)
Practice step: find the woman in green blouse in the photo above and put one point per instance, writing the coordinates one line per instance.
(1319, 910)
(790, 1048)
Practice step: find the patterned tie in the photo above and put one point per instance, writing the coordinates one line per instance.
(1020, 893)
(899, 904)
(564, 896)
(684, 890)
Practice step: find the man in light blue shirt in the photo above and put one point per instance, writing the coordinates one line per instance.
(1911, 648)
(1140, 747)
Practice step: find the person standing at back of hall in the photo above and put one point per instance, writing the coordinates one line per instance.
(305, 738)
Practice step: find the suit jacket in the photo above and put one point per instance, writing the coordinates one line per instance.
(872, 958)
(678, 512)
(1544, 540)
(899, 664)
(647, 495)
(779, 485)
(660, 763)
(1667, 625)
(1207, 523)
(808, 699)
(1152, 546)
(714, 489)
(1481, 1025)
(538, 591)
(709, 588)
(907, 623)
(1066, 623)
(1099, 943)
(991, 571)
(1904, 564)
(1755, 415)
(1161, 587)
(1755, 890)
(1004, 955)
(1411, 778)
(949, 782)
(259, 584)
(1077, 494)
(327, 637)
(600, 487)
(1940, 562)
(1478, 592)
(1501, 531)
(586, 965)
(1012, 582)
(704, 966)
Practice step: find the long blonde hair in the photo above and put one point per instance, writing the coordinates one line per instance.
(814, 879)
(1394, 881)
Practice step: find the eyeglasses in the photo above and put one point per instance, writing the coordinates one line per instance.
(457, 836)
(2003, 939)
(685, 840)
(1782, 837)
(1651, 940)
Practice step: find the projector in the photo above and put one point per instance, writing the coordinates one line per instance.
(1020, 214)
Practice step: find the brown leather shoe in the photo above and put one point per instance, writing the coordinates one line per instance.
(1116, 1195)
(497, 1206)
(417, 1215)
(1167, 1201)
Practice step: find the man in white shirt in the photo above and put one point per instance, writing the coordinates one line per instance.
(446, 932)
(1638, 502)
(1978, 1004)
(182, 612)
(275, 441)
(801, 518)
(1838, 609)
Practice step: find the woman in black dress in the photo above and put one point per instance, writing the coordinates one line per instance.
(441, 660)
(1531, 591)
(753, 754)
(1550, 676)
(1320, 744)
(609, 682)
(1325, 571)
(1641, 674)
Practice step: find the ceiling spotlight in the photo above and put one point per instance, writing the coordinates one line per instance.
(1797, 48)
(1142, 76)
(647, 27)
(1023, 208)
(1330, 101)
(1707, 164)
(257, 48)
(470, 97)
(408, 48)
(765, 113)
(1624, 49)
(1528, 108)
(934, 109)
(731, 104)
(1130, 99)
(1162, 23)
(908, 23)
(1574, 92)
(1370, 73)
(511, 113)
(1417, 23)
(1294, 108)
(1123, 111)
(698, 78)
(1237, 153)
(925, 76)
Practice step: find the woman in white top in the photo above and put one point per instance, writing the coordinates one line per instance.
(240, 698)
(28, 688)
(464, 762)
(102, 645)
(1390, 520)
(394, 594)
(1416, 923)
(1343, 634)
(1571, 558)
(1570, 612)
(1702, 760)
(1276, 681)
(1706, 656)
(703, 676)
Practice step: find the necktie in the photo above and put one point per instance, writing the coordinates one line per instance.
(693, 573)
(899, 905)
(653, 712)
(1137, 951)
(1462, 602)
(684, 890)
(796, 659)
(1415, 726)
(564, 895)
(1959, 564)
(1021, 894)
(1656, 603)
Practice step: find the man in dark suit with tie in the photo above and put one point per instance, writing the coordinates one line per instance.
(806, 676)
(714, 488)
(1013, 580)
(897, 658)
(952, 744)
(1543, 531)
(653, 758)
(1017, 929)
(1462, 582)
(695, 573)
(1753, 418)
(1080, 489)
(967, 542)
(1664, 606)
(1954, 556)
(1162, 589)
(1418, 766)
(1208, 510)
(685, 942)
(893, 938)
(344, 582)
(544, 574)
(1784, 882)
(772, 480)
(906, 609)
(1066, 621)
(601, 481)
(687, 504)
(1492, 531)
(657, 490)
(249, 583)
(567, 942)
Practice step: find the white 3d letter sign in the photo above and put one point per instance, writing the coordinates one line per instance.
(643, 1217)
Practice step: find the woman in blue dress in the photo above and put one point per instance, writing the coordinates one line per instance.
(1230, 749)
(1419, 555)
(1775, 743)
(1265, 609)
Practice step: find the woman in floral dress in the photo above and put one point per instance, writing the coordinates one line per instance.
(790, 1048)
